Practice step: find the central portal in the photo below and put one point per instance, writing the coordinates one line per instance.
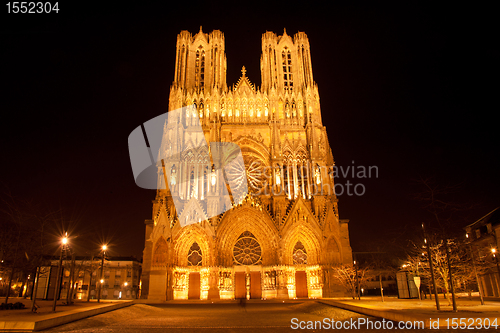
(240, 279)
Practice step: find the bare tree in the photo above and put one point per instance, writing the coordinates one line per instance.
(23, 239)
(460, 262)
(350, 277)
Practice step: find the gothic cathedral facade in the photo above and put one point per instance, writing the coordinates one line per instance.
(280, 240)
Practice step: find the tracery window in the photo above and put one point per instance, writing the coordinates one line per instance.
(195, 256)
(299, 254)
(286, 58)
(161, 252)
(191, 184)
(200, 68)
(247, 250)
(205, 183)
(173, 177)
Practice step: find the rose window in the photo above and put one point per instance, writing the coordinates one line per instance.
(250, 173)
(247, 250)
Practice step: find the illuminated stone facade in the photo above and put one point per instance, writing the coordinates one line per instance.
(282, 239)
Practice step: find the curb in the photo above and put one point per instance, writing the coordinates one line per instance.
(63, 318)
(428, 322)
(378, 313)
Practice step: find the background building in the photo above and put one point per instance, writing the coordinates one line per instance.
(121, 278)
(483, 235)
(280, 240)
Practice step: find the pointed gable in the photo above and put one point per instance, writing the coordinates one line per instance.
(244, 86)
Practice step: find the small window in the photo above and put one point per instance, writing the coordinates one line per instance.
(195, 257)
(299, 254)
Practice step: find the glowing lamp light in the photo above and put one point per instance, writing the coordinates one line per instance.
(125, 284)
(65, 240)
(102, 281)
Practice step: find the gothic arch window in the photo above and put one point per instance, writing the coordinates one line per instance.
(286, 58)
(247, 250)
(286, 179)
(202, 72)
(205, 182)
(191, 184)
(173, 177)
(201, 110)
(305, 65)
(160, 253)
(270, 63)
(223, 108)
(300, 177)
(317, 174)
(299, 254)
(199, 68)
(215, 65)
(195, 256)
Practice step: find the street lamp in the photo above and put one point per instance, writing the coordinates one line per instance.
(357, 280)
(475, 271)
(104, 247)
(64, 242)
(494, 251)
(431, 267)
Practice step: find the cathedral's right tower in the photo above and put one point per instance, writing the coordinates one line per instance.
(283, 238)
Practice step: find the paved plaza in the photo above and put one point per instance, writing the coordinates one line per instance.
(250, 316)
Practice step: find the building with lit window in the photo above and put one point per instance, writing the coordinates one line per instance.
(121, 278)
(280, 240)
(483, 236)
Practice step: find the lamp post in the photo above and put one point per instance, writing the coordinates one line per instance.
(431, 267)
(452, 287)
(64, 241)
(475, 271)
(104, 247)
(357, 280)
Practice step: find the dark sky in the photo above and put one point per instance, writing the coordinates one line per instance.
(410, 88)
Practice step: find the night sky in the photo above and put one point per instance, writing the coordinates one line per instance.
(409, 88)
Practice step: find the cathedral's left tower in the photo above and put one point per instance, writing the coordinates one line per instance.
(200, 67)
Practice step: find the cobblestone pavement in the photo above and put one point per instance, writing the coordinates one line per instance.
(220, 317)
